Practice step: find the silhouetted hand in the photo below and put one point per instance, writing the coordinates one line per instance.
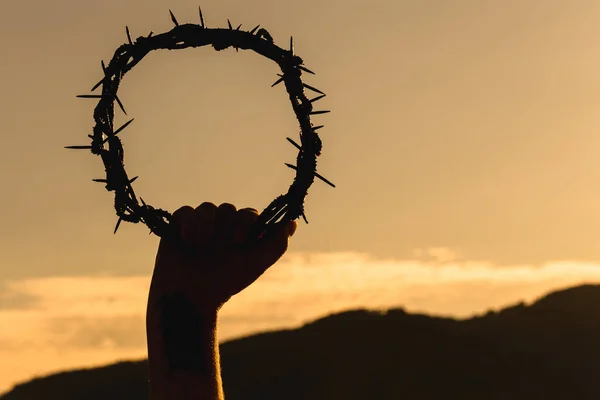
(190, 283)
(216, 261)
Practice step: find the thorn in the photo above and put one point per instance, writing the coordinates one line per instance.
(315, 128)
(254, 30)
(319, 112)
(118, 130)
(304, 217)
(173, 18)
(118, 223)
(324, 180)
(89, 96)
(78, 147)
(143, 202)
(305, 69)
(318, 98)
(292, 45)
(279, 213)
(103, 66)
(238, 28)
(312, 88)
(321, 177)
(278, 80)
(91, 136)
(229, 23)
(100, 180)
(128, 35)
(97, 85)
(201, 17)
(294, 143)
(123, 126)
(150, 34)
(120, 104)
(133, 180)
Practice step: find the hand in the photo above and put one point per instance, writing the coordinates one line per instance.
(215, 260)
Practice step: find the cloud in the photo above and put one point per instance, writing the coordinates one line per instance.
(16, 301)
(58, 323)
(77, 332)
(441, 254)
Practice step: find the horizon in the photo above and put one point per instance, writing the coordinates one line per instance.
(383, 311)
(462, 140)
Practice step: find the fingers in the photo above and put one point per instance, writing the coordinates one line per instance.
(183, 220)
(262, 255)
(273, 245)
(244, 220)
(208, 224)
(195, 226)
(225, 221)
(204, 224)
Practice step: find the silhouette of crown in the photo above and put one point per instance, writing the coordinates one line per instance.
(107, 144)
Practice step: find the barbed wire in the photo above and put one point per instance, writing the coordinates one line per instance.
(106, 143)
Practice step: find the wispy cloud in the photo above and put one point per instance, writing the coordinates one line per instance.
(56, 323)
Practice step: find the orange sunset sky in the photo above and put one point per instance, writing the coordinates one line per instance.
(463, 140)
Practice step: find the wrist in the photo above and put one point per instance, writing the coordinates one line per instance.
(183, 353)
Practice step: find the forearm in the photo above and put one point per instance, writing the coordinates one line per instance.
(183, 351)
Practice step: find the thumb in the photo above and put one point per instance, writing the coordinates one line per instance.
(273, 244)
(262, 255)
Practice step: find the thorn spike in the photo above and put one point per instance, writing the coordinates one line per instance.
(321, 177)
(316, 128)
(294, 143)
(173, 18)
(229, 23)
(103, 66)
(278, 81)
(128, 35)
(117, 226)
(125, 125)
(120, 104)
(318, 98)
(319, 112)
(292, 45)
(238, 28)
(201, 17)
(79, 147)
(133, 179)
(313, 88)
(324, 180)
(254, 29)
(89, 96)
(306, 69)
(100, 180)
(304, 218)
(97, 85)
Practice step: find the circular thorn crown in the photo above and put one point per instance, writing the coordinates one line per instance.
(106, 143)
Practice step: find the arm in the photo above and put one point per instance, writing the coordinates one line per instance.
(183, 352)
(192, 279)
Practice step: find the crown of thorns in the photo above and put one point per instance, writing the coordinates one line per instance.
(109, 147)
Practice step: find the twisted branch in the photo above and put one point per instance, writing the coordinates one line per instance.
(106, 143)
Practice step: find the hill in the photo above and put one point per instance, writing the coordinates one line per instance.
(548, 350)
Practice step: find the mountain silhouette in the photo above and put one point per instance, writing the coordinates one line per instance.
(546, 350)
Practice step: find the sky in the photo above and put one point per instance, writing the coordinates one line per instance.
(462, 140)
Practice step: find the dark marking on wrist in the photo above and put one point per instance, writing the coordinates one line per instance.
(185, 332)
